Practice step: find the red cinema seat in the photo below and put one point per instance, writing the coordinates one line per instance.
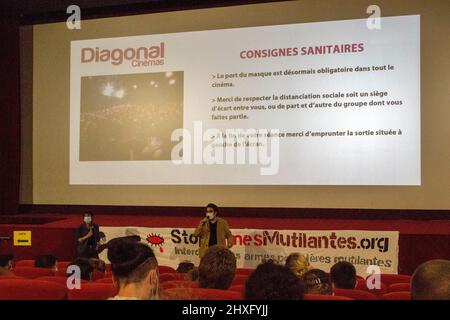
(60, 280)
(355, 294)
(61, 272)
(10, 277)
(97, 275)
(93, 291)
(389, 279)
(24, 263)
(104, 280)
(244, 271)
(172, 277)
(396, 287)
(199, 294)
(311, 296)
(400, 295)
(166, 269)
(175, 284)
(32, 272)
(362, 285)
(27, 289)
(239, 279)
(63, 264)
(238, 288)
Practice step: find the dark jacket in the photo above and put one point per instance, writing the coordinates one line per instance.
(88, 247)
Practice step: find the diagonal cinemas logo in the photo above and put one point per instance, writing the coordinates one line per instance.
(140, 56)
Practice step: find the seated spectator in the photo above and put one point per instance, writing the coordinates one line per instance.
(185, 266)
(431, 281)
(343, 275)
(298, 264)
(85, 266)
(135, 270)
(6, 263)
(47, 261)
(271, 281)
(98, 264)
(317, 282)
(217, 268)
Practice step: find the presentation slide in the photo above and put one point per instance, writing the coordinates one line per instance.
(324, 103)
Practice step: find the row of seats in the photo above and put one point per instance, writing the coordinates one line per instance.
(386, 279)
(54, 288)
(39, 289)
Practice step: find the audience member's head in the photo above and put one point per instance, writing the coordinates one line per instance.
(297, 263)
(47, 261)
(271, 281)
(431, 281)
(185, 266)
(343, 275)
(134, 268)
(317, 282)
(98, 264)
(192, 275)
(6, 263)
(217, 268)
(102, 237)
(85, 266)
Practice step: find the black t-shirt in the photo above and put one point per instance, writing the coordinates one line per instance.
(83, 230)
(212, 234)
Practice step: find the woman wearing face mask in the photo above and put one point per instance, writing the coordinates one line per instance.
(88, 236)
(213, 230)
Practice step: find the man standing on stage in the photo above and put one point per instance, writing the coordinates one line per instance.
(88, 236)
(213, 230)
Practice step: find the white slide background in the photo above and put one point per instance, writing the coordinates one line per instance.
(356, 160)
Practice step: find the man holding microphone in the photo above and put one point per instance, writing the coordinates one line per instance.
(88, 236)
(213, 230)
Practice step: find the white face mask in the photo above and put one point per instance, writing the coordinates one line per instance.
(210, 215)
(87, 219)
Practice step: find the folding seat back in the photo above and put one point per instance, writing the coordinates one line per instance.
(199, 294)
(396, 287)
(166, 269)
(239, 279)
(32, 272)
(63, 264)
(105, 280)
(389, 279)
(238, 288)
(174, 284)
(400, 295)
(60, 280)
(172, 277)
(93, 291)
(24, 263)
(27, 289)
(61, 272)
(362, 285)
(312, 296)
(355, 294)
(244, 271)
